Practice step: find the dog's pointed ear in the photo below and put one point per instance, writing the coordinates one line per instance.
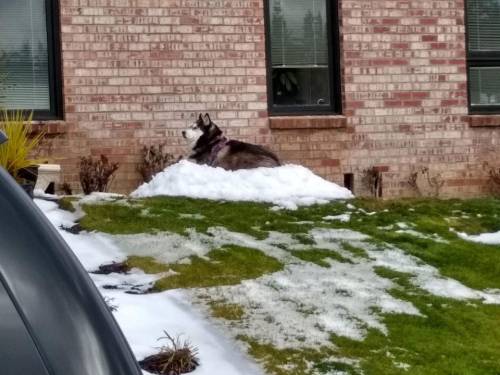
(206, 120)
(200, 118)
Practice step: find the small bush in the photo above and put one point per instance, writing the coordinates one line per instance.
(154, 160)
(96, 175)
(372, 179)
(15, 153)
(175, 359)
(424, 183)
(494, 177)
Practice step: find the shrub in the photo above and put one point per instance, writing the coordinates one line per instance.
(424, 183)
(494, 177)
(96, 175)
(154, 160)
(15, 153)
(175, 359)
(373, 179)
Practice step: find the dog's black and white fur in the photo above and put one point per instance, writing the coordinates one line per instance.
(211, 147)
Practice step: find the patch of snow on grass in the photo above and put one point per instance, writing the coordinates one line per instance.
(164, 246)
(171, 247)
(55, 215)
(434, 237)
(97, 197)
(144, 318)
(425, 276)
(91, 249)
(304, 304)
(135, 281)
(403, 366)
(485, 238)
(288, 186)
(300, 306)
(343, 218)
(321, 235)
(192, 216)
(403, 225)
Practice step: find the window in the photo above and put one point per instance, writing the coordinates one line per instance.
(302, 50)
(483, 28)
(29, 54)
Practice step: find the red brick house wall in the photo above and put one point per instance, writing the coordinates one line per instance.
(135, 71)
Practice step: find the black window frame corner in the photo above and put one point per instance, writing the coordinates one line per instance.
(52, 10)
(334, 68)
(477, 59)
(55, 63)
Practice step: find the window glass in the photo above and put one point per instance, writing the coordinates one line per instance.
(484, 25)
(483, 31)
(485, 86)
(24, 63)
(299, 53)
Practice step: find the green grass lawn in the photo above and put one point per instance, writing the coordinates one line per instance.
(449, 336)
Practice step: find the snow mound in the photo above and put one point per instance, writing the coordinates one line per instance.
(288, 186)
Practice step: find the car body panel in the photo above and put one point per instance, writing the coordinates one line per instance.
(19, 354)
(69, 323)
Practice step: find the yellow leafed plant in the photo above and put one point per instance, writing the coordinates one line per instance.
(15, 153)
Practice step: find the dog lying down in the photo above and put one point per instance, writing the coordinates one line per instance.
(211, 147)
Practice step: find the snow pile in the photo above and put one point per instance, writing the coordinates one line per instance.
(288, 186)
(486, 238)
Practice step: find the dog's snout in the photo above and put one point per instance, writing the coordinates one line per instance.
(184, 133)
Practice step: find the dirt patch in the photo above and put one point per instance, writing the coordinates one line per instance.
(75, 229)
(114, 267)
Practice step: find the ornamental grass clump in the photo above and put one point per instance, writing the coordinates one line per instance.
(180, 357)
(15, 153)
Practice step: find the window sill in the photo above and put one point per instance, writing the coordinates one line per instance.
(477, 121)
(49, 127)
(308, 122)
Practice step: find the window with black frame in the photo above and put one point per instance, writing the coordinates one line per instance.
(29, 78)
(483, 29)
(302, 56)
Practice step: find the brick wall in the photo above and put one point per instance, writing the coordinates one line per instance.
(405, 87)
(135, 71)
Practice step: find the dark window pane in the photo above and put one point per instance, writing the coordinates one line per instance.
(483, 25)
(301, 86)
(23, 55)
(299, 33)
(299, 53)
(485, 86)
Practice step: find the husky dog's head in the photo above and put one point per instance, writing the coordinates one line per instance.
(202, 132)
